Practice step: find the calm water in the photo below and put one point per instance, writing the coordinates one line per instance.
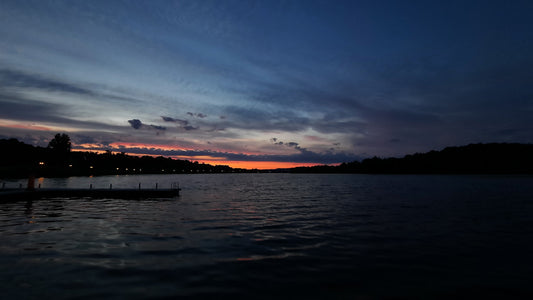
(275, 235)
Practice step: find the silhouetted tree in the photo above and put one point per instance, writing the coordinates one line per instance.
(60, 143)
(60, 146)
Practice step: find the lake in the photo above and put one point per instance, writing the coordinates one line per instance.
(274, 235)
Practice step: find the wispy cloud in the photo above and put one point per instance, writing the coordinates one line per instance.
(137, 124)
(21, 80)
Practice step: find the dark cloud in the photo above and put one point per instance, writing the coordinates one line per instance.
(158, 127)
(19, 79)
(288, 144)
(304, 152)
(136, 124)
(275, 141)
(182, 123)
(197, 115)
(190, 128)
(292, 144)
(168, 119)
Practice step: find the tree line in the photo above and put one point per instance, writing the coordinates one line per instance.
(18, 159)
(492, 158)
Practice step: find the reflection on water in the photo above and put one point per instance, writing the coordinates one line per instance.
(265, 235)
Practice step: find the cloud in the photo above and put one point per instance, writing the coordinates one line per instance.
(275, 141)
(198, 115)
(182, 123)
(14, 78)
(330, 155)
(158, 127)
(22, 108)
(288, 144)
(304, 156)
(168, 119)
(292, 145)
(136, 124)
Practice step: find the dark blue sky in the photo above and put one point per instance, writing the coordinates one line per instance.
(282, 81)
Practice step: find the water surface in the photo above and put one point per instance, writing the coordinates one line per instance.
(275, 235)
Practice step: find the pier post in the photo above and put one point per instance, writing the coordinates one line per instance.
(91, 186)
(139, 186)
(110, 186)
(20, 185)
(39, 185)
(31, 183)
(3, 185)
(156, 185)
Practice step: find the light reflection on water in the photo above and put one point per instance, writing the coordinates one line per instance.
(265, 235)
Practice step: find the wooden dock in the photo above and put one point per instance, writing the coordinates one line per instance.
(43, 193)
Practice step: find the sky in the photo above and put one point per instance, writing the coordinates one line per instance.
(267, 84)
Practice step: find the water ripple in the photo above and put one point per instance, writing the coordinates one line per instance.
(274, 235)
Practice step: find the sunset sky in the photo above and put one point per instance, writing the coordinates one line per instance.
(266, 84)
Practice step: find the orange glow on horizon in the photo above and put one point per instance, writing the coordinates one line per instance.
(260, 165)
(211, 160)
(87, 150)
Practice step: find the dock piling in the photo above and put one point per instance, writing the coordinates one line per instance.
(31, 183)
(110, 186)
(91, 186)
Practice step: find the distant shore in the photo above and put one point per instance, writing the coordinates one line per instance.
(20, 160)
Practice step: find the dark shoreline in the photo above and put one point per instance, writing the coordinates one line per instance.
(19, 160)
